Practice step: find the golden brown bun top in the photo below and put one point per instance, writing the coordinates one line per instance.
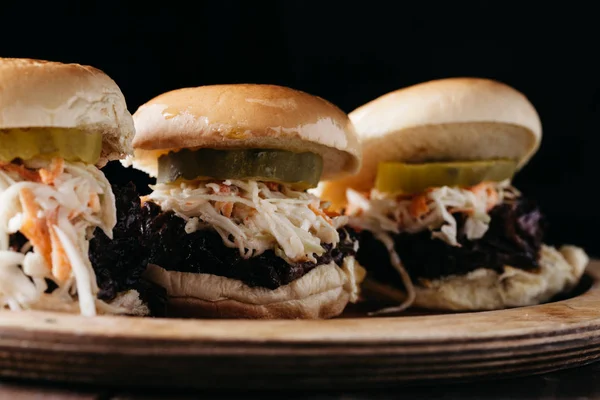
(246, 116)
(37, 93)
(456, 119)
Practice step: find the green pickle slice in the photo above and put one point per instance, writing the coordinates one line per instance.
(70, 144)
(300, 170)
(395, 177)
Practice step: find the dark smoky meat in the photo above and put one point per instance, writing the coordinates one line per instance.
(120, 262)
(16, 241)
(514, 238)
(153, 295)
(203, 251)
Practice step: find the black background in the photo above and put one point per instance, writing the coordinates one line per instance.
(349, 53)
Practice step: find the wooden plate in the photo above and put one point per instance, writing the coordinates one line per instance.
(349, 352)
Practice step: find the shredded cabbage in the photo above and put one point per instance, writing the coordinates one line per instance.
(253, 216)
(70, 203)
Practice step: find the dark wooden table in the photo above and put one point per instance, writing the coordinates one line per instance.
(579, 383)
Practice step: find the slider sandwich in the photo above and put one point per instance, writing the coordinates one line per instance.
(60, 123)
(230, 227)
(438, 216)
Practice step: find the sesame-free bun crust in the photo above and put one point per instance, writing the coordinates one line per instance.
(245, 116)
(322, 293)
(484, 289)
(456, 119)
(36, 93)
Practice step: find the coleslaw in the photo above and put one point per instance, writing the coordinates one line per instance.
(431, 210)
(56, 205)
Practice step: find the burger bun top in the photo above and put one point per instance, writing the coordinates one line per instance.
(455, 119)
(46, 94)
(245, 116)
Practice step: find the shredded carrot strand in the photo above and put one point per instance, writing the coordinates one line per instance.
(418, 206)
(94, 202)
(224, 207)
(56, 168)
(321, 213)
(487, 189)
(27, 174)
(331, 213)
(61, 267)
(33, 228)
(272, 186)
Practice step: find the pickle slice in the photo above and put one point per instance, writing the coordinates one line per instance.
(395, 177)
(70, 144)
(300, 170)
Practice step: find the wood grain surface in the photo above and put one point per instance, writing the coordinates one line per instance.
(347, 352)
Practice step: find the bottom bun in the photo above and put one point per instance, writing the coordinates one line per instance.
(322, 293)
(485, 289)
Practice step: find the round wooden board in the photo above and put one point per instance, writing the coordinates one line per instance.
(349, 352)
